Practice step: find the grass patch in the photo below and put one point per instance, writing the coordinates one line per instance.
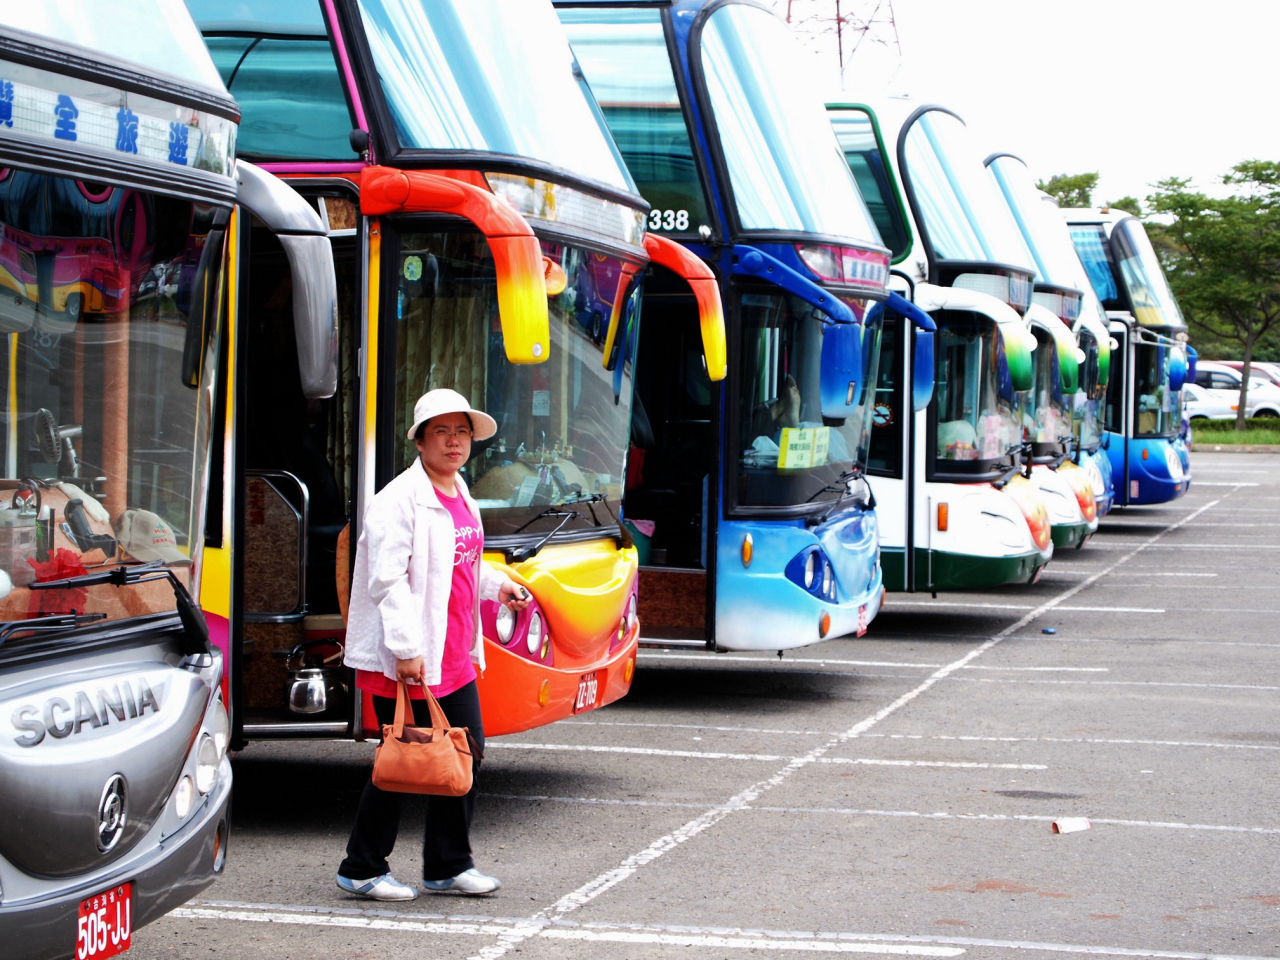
(1258, 431)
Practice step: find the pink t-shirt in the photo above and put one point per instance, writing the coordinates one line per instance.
(456, 669)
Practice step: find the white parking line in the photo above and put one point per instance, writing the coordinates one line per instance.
(771, 758)
(898, 814)
(1059, 638)
(1095, 683)
(770, 660)
(1121, 742)
(472, 925)
(949, 604)
(670, 841)
(591, 933)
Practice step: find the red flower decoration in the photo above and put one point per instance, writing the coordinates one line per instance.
(61, 564)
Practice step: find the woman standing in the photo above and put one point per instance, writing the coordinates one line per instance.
(415, 616)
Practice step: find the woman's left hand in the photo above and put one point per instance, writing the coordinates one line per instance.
(513, 596)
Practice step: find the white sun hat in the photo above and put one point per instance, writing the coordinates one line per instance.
(436, 403)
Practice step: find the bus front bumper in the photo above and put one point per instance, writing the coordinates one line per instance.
(170, 874)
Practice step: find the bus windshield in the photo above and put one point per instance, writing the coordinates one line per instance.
(863, 151)
(1158, 410)
(1087, 413)
(109, 315)
(976, 420)
(1153, 302)
(1090, 240)
(1046, 419)
(169, 44)
(452, 81)
(277, 62)
(623, 53)
(564, 424)
(958, 206)
(1041, 226)
(787, 454)
(785, 165)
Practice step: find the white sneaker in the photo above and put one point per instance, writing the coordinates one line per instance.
(468, 881)
(385, 887)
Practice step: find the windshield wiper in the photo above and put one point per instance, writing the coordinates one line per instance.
(58, 621)
(193, 622)
(841, 484)
(524, 553)
(837, 483)
(1009, 474)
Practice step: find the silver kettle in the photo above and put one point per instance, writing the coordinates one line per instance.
(317, 682)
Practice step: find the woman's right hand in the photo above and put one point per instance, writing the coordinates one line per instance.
(414, 670)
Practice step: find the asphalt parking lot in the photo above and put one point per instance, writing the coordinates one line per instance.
(889, 795)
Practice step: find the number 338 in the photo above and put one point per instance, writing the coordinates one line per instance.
(668, 219)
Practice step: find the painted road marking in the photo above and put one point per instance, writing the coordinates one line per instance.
(770, 659)
(593, 933)
(939, 604)
(903, 814)
(910, 945)
(670, 841)
(938, 736)
(771, 758)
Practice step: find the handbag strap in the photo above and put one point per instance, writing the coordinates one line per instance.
(438, 720)
(402, 705)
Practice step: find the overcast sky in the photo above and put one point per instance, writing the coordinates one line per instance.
(1137, 90)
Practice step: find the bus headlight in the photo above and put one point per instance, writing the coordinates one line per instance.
(505, 624)
(828, 576)
(221, 728)
(810, 569)
(207, 760)
(534, 639)
(631, 612)
(183, 794)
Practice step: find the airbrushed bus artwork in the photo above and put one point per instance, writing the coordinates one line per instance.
(487, 238)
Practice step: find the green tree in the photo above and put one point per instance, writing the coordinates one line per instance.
(1222, 256)
(1127, 204)
(1071, 189)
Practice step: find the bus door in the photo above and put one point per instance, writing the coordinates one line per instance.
(1118, 412)
(296, 486)
(672, 462)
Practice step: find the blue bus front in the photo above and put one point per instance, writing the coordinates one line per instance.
(1143, 415)
(763, 534)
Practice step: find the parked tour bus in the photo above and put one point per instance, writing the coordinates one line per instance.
(1055, 412)
(488, 239)
(955, 510)
(117, 164)
(1149, 458)
(763, 533)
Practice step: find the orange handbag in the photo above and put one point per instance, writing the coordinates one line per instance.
(434, 759)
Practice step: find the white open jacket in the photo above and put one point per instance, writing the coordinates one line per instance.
(403, 576)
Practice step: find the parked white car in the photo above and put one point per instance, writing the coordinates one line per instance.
(1201, 404)
(1222, 383)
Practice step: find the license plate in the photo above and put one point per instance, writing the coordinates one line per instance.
(862, 620)
(105, 924)
(588, 692)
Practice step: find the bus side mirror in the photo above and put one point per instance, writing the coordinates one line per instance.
(706, 290)
(315, 285)
(1192, 356)
(841, 369)
(518, 265)
(1177, 370)
(922, 371)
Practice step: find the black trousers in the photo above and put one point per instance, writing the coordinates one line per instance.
(446, 842)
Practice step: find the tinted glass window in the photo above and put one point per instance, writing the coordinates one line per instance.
(865, 155)
(624, 56)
